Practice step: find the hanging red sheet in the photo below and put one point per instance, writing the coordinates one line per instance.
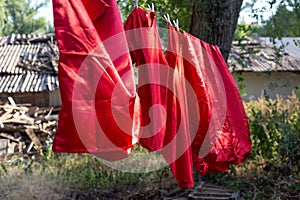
(190, 108)
(96, 83)
(158, 85)
(228, 138)
(146, 53)
(179, 136)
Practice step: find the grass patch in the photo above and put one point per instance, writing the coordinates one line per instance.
(61, 176)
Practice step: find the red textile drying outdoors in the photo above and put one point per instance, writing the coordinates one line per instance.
(228, 136)
(147, 54)
(96, 85)
(179, 155)
(189, 107)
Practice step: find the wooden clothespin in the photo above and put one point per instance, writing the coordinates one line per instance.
(151, 8)
(176, 24)
(167, 18)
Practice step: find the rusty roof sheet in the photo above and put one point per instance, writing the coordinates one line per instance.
(28, 63)
(257, 55)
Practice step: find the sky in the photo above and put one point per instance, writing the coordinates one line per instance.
(46, 12)
(245, 14)
(263, 8)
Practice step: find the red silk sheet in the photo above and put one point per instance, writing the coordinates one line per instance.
(179, 120)
(227, 140)
(147, 54)
(96, 80)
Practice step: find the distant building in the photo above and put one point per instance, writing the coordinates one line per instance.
(266, 67)
(28, 69)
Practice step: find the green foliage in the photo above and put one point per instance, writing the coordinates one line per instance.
(241, 84)
(2, 14)
(20, 17)
(273, 169)
(244, 30)
(284, 23)
(275, 126)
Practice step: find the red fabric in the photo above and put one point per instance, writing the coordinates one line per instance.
(100, 111)
(180, 155)
(146, 52)
(229, 143)
(92, 85)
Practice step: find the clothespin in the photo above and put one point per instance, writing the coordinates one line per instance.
(136, 3)
(151, 8)
(167, 18)
(176, 23)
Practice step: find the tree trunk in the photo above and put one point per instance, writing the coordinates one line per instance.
(214, 21)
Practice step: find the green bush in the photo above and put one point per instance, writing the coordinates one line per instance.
(273, 169)
(275, 130)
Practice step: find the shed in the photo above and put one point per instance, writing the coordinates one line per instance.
(262, 67)
(28, 69)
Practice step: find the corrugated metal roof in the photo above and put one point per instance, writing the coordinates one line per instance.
(28, 82)
(28, 63)
(289, 44)
(257, 55)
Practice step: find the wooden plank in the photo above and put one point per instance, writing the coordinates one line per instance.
(12, 147)
(6, 116)
(21, 146)
(7, 136)
(29, 147)
(9, 107)
(11, 128)
(37, 144)
(19, 120)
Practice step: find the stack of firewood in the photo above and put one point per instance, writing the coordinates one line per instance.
(25, 129)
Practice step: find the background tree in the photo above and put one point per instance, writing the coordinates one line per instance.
(19, 16)
(2, 14)
(284, 23)
(213, 21)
